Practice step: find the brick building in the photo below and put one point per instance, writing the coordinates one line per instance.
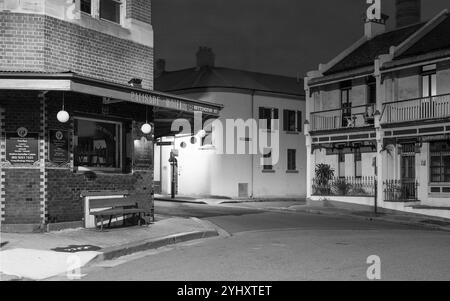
(94, 60)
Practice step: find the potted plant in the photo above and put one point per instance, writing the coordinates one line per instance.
(324, 174)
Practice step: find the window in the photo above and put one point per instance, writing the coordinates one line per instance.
(371, 90)
(85, 6)
(289, 121)
(440, 162)
(291, 160)
(429, 87)
(110, 10)
(346, 105)
(268, 114)
(267, 155)
(358, 164)
(341, 160)
(97, 144)
(292, 121)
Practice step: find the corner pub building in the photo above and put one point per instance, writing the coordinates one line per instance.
(76, 88)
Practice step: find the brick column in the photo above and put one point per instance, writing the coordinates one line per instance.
(2, 159)
(43, 154)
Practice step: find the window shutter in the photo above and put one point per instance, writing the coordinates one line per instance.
(261, 113)
(299, 121)
(285, 120)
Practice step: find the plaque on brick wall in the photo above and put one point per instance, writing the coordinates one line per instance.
(22, 147)
(143, 154)
(59, 147)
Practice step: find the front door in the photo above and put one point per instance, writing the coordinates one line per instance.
(408, 185)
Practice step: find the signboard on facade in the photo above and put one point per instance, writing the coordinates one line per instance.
(59, 147)
(143, 154)
(171, 103)
(22, 147)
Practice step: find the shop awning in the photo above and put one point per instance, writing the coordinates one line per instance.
(167, 107)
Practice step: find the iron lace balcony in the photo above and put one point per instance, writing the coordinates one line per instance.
(425, 108)
(343, 118)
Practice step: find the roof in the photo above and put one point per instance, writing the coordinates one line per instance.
(437, 39)
(366, 54)
(219, 77)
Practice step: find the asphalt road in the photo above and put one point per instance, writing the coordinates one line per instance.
(288, 246)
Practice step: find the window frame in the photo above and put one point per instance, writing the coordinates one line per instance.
(443, 168)
(96, 11)
(274, 115)
(290, 159)
(357, 158)
(429, 73)
(267, 154)
(120, 154)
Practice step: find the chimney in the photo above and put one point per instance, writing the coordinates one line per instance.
(408, 12)
(160, 67)
(374, 27)
(205, 57)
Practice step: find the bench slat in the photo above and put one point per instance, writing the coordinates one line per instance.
(114, 202)
(113, 212)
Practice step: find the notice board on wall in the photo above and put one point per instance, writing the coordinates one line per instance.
(143, 154)
(22, 148)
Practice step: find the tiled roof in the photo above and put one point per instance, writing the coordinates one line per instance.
(366, 54)
(218, 77)
(437, 39)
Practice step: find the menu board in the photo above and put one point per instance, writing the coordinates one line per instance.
(59, 147)
(22, 148)
(143, 154)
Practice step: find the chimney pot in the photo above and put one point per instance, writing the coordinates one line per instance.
(408, 12)
(205, 57)
(160, 67)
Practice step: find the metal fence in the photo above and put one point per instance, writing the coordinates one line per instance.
(348, 186)
(400, 190)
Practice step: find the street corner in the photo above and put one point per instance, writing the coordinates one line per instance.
(41, 264)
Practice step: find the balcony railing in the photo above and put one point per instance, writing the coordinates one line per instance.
(348, 186)
(351, 117)
(400, 190)
(434, 107)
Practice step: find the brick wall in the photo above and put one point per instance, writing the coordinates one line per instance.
(41, 43)
(140, 10)
(21, 186)
(22, 197)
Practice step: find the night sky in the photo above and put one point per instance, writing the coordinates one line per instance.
(273, 36)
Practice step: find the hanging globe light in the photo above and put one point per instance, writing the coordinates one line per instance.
(63, 116)
(146, 128)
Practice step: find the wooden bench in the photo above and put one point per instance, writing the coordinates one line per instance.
(135, 204)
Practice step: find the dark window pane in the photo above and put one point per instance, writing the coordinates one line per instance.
(291, 159)
(97, 144)
(85, 6)
(110, 10)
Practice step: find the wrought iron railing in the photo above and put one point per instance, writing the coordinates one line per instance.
(400, 190)
(348, 186)
(424, 108)
(351, 117)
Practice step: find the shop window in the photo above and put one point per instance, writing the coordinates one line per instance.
(268, 114)
(358, 164)
(97, 144)
(86, 6)
(440, 162)
(429, 86)
(291, 160)
(110, 10)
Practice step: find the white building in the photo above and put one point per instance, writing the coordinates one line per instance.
(380, 112)
(244, 95)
